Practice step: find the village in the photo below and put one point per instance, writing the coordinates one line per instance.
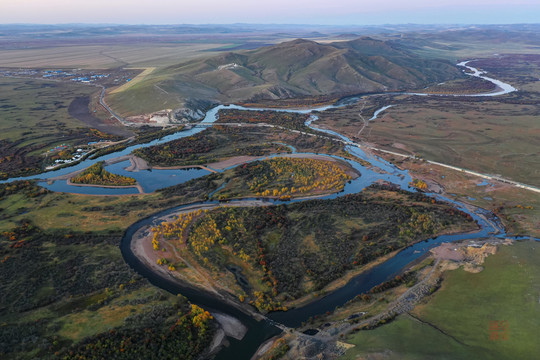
(85, 76)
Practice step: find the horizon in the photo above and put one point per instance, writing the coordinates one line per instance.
(265, 24)
(280, 12)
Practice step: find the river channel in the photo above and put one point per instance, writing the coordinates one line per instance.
(259, 331)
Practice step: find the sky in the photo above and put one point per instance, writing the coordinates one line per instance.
(324, 12)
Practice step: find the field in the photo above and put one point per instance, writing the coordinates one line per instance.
(470, 133)
(97, 56)
(35, 118)
(454, 323)
(53, 211)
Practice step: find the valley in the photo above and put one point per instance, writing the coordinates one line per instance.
(294, 192)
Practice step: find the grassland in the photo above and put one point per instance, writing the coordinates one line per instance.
(492, 135)
(98, 56)
(54, 211)
(298, 68)
(35, 111)
(454, 323)
(488, 136)
(35, 118)
(59, 288)
(65, 288)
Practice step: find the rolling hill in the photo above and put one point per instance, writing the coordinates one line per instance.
(298, 68)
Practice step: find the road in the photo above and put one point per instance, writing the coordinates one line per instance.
(104, 104)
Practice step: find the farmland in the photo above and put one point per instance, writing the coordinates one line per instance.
(456, 320)
(101, 56)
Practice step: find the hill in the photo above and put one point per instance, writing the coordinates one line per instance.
(298, 68)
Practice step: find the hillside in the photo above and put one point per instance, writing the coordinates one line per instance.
(298, 68)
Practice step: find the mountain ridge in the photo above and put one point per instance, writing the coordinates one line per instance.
(296, 68)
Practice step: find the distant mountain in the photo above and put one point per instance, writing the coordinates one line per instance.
(296, 68)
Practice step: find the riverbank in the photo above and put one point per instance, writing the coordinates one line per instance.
(137, 186)
(142, 248)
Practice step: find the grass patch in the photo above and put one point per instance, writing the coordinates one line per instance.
(35, 119)
(507, 289)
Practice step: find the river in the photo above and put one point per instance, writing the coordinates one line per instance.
(259, 331)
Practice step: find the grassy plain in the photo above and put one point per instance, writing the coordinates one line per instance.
(63, 279)
(96, 56)
(53, 211)
(61, 287)
(35, 118)
(36, 111)
(488, 136)
(455, 320)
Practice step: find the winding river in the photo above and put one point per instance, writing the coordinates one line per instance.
(259, 331)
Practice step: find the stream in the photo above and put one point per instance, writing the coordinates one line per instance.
(259, 331)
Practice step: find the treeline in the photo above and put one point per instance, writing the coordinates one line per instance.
(144, 135)
(97, 175)
(28, 188)
(284, 177)
(407, 278)
(208, 146)
(289, 120)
